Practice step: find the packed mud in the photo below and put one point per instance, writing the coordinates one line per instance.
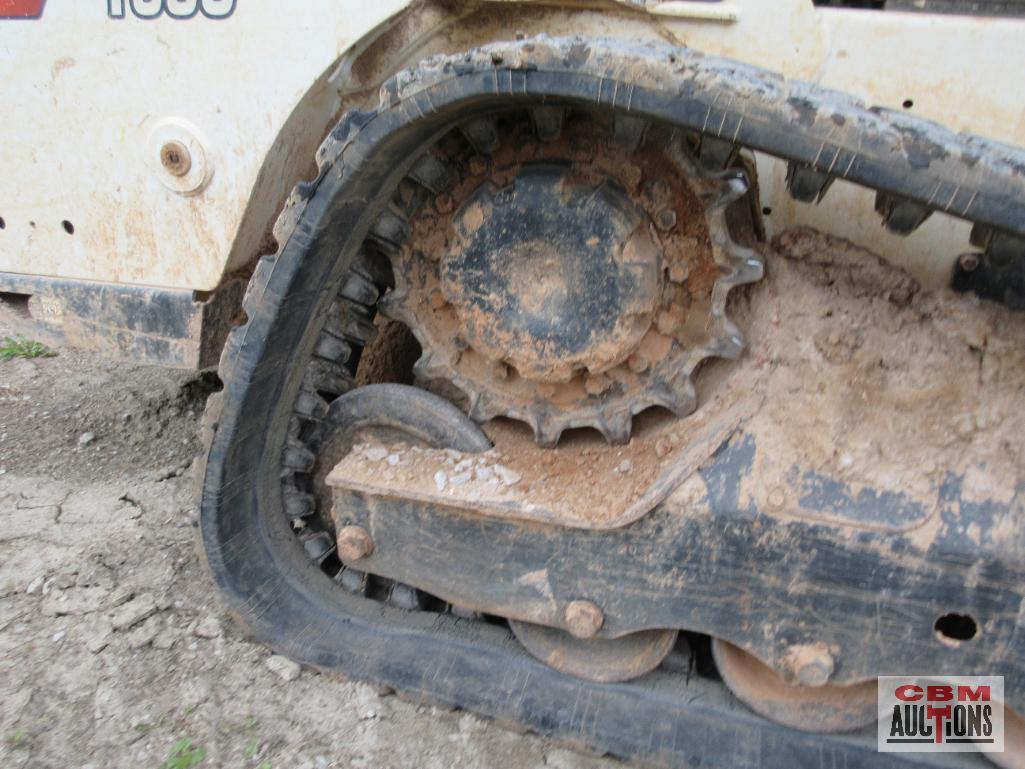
(853, 373)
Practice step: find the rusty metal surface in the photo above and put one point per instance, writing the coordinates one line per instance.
(574, 281)
(703, 563)
(824, 708)
(596, 659)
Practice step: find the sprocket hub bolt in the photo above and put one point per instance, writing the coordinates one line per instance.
(679, 272)
(354, 543)
(584, 619)
(666, 219)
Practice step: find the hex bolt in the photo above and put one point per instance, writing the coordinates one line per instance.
(584, 619)
(810, 664)
(175, 158)
(354, 543)
(968, 262)
(665, 220)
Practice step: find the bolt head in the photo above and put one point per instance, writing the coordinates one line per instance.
(354, 543)
(810, 664)
(584, 619)
(175, 158)
(665, 220)
(968, 262)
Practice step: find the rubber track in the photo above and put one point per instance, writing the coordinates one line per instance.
(256, 561)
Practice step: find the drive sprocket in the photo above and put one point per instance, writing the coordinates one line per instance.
(571, 272)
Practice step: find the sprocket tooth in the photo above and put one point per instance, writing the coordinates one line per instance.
(431, 172)
(684, 397)
(547, 434)
(733, 186)
(429, 366)
(482, 133)
(745, 265)
(679, 397)
(807, 184)
(481, 408)
(616, 426)
(729, 342)
(547, 122)
(393, 305)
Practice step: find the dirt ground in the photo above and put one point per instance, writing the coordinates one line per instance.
(113, 647)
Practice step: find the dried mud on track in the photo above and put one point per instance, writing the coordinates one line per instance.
(113, 646)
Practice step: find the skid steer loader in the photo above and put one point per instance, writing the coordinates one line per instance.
(646, 374)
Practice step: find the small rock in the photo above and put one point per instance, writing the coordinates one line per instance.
(460, 479)
(133, 612)
(144, 634)
(484, 473)
(463, 466)
(663, 447)
(283, 667)
(846, 461)
(59, 636)
(369, 705)
(393, 459)
(74, 602)
(440, 479)
(625, 467)
(35, 585)
(375, 453)
(86, 438)
(165, 640)
(509, 477)
(209, 627)
(964, 424)
(97, 636)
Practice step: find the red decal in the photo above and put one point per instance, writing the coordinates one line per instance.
(21, 9)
